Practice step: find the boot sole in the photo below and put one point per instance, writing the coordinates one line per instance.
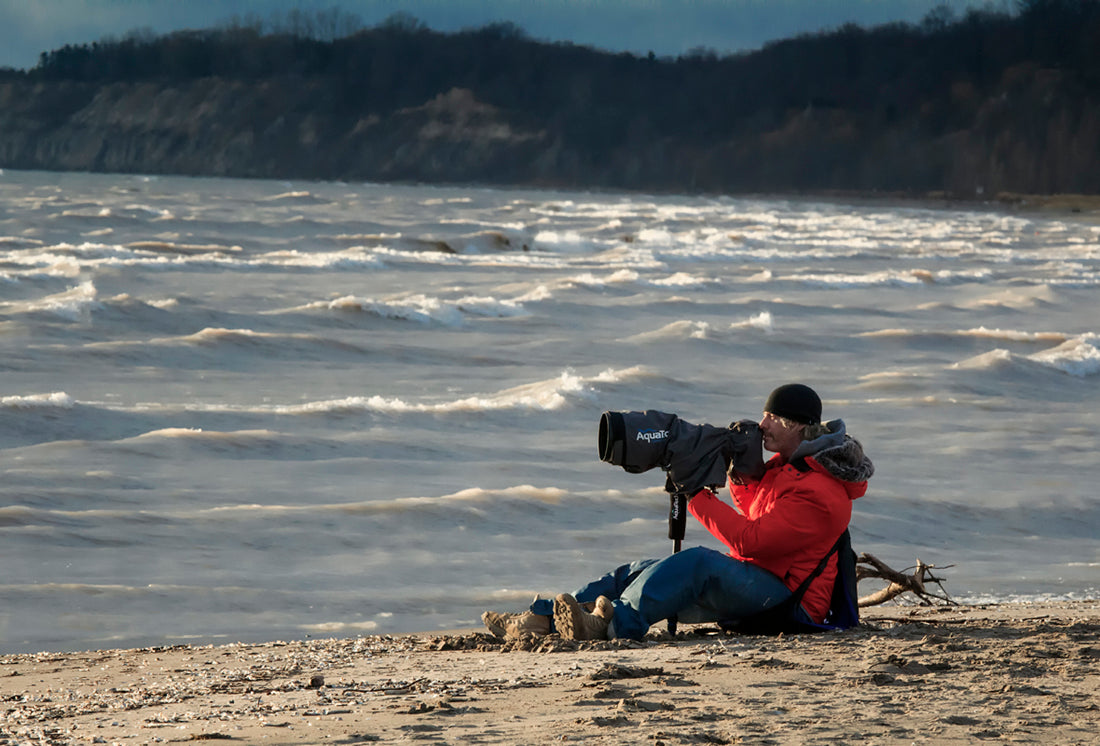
(569, 618)
(496, 628)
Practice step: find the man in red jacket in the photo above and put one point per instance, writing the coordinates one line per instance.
(777, 530)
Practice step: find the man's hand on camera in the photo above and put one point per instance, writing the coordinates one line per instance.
(746, 426)
(747, 460)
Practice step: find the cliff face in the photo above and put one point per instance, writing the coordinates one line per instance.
(274, 128)
(1036, 131)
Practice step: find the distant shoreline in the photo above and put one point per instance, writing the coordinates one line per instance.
(1084, 207)
(1078, 206)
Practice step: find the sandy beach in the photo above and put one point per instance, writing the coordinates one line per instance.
(1010, 673)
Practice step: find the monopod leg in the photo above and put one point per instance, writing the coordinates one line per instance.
(677, 523)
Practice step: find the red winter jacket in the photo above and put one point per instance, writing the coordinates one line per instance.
(789, 520)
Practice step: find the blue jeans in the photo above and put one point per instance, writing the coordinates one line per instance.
(697, 585)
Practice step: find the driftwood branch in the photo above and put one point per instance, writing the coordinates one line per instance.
(915, 582)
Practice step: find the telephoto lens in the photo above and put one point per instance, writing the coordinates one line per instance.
(610, 438)
(694, 456)
(636, 441)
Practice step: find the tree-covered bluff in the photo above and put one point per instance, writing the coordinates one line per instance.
(989, 102)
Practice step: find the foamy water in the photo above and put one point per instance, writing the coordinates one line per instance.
(241, 410)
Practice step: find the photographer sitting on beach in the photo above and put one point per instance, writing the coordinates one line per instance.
(782, 536)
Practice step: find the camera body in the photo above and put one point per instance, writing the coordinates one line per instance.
(693, 456)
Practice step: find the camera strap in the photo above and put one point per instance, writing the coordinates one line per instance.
(783, 617)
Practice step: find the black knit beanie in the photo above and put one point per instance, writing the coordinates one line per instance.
(795, 402)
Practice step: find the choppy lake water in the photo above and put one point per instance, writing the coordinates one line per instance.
(248, 410)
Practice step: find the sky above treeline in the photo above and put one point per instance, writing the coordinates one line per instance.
(664, 27)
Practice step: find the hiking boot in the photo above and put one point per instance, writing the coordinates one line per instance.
(516, 625)
(496, 622)
(574, 623)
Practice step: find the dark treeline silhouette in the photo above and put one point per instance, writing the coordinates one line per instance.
(987, 101)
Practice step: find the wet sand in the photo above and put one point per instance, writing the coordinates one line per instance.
(962, 674)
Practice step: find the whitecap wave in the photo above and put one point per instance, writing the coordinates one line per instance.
(683, 280)
(538, 293)
(490, 307)
(489, 242)
(981, 332)
(419, 308)
(689, 329)
(45, 268)
(998, 359)
(217, 335)
(426, 309)
(172, 247)
(762, 321)
(474, 498)
(1013, 335)
(889, 278)
(57, 399)
(590, 280)
(549, 395)
(682, 329)
(74, 304)
(18, 242)
(293, 198)
(1014, 298)
(561, 238)
(167, 256)
(148, 211)
(1079, 356)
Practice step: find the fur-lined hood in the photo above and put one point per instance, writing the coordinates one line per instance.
(838, 453)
